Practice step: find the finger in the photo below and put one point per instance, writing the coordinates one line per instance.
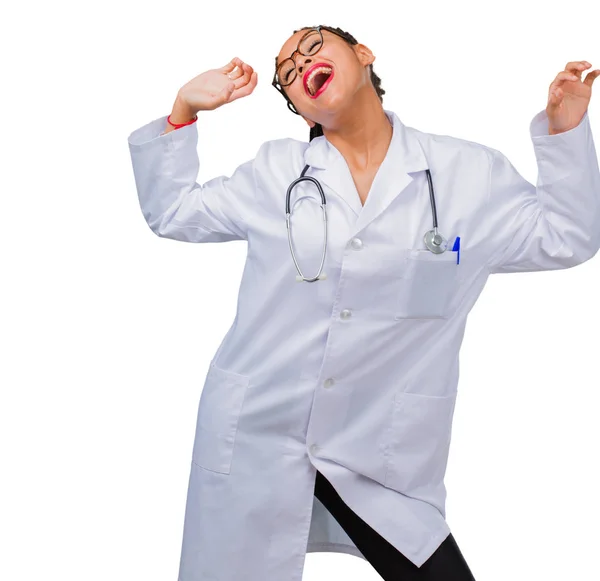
(577, 67)
(241, 80)
(242, 75)
(245, 76)
(245, 89)
(589, 79)
(236, 74)
(246, 72)
(562, 77)
(234, 62)
(556, 97)
(227, 91)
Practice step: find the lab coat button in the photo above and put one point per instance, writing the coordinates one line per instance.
(328, 382)
(346, 314)
(356, 243)
(314, 448)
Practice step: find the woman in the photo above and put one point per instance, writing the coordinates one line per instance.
(324, 423)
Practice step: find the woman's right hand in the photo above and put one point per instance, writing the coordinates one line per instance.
(216, 87)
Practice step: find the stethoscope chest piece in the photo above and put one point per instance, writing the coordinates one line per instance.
(435, 241)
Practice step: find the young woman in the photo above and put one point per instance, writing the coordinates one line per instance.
(325, 419)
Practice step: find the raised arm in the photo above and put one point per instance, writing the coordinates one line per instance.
(165, 166)
(556, 223)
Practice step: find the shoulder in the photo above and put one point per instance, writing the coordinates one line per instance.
(453, 149)
(282, 146)
(281, 155)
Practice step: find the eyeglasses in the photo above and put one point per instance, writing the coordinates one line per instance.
(309, 45)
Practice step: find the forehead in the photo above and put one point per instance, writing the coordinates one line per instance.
(292, 42)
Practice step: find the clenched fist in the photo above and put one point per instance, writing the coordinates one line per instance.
(217, 87)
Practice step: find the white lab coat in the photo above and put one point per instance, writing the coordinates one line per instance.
(355, 375)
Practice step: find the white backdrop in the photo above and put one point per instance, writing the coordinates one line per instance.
(107, 330)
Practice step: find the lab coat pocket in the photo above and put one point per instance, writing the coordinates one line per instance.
(428, 284)
(219, 410)
(419, 441)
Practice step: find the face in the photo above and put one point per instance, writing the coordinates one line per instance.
(350, 74)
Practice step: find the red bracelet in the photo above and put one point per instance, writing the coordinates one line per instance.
(178, 125)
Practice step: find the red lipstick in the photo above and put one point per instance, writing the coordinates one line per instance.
(324, 86)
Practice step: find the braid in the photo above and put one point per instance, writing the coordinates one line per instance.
(317, 130)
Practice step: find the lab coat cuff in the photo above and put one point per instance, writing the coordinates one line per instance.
(568, 184)
(539, 131)
(564, 155)
(149, 135)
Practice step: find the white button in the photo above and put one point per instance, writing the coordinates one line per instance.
(346, 314)
(356, 243)
(314, 448)
(328, 382)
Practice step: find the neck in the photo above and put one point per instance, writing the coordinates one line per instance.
(362, 134)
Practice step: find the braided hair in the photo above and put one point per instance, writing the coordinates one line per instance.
(317, 130)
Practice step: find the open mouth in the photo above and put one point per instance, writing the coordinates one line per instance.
(317, 79)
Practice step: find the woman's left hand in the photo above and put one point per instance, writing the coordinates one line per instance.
(569, 97)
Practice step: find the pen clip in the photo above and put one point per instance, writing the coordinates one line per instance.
(456, 248)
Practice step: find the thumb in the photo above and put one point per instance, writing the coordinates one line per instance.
(226, 92)
(556, 97)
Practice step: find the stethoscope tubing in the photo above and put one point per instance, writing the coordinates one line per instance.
(288, 217)
(434, 241)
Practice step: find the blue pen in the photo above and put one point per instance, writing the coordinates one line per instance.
(457, 249)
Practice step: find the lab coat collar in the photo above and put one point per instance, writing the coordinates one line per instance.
(404, 157)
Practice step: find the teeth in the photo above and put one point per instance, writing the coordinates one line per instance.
(309, 82)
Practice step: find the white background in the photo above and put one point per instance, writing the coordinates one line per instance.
(107, 330)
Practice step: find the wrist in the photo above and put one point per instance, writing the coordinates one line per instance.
(182, 112)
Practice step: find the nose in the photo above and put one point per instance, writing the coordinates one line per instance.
(303, 64)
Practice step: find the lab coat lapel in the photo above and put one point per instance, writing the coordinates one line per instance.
(328, 165)
(404, 157)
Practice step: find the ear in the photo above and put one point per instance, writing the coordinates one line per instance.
(364, 54)
(310, 123)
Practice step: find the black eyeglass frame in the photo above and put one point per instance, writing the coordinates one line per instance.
(278, 85)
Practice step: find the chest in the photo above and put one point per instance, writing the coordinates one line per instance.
(363, 180)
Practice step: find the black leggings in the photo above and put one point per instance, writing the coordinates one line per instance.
(446, 564)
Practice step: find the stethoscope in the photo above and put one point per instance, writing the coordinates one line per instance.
(434, 241)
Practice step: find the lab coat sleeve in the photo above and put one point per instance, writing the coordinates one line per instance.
(174, 205)
(555, 224)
